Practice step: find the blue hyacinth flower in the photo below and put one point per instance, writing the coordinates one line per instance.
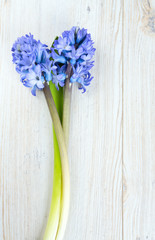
(75, 47)
(32, 59)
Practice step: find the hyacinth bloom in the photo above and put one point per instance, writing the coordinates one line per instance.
(75, 48)
(54, 71)
(33, 63)
(28, 56)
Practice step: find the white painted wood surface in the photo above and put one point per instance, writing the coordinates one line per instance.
(139, 120)
(112, 133)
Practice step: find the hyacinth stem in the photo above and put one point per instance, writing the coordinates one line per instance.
(66, 110)
(65, 124)
(65, 198)
(54, 214)
(53, 219)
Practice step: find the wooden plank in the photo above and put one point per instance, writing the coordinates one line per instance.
(26, 152)
(139, 120)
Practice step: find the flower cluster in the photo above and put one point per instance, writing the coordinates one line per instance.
(75, 49)
(32, 59)
(70, 56)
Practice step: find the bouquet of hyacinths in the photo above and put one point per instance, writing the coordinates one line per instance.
(53, 71)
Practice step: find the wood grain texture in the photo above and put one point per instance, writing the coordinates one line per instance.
(96, 137)
(112, 129)
(139, 121)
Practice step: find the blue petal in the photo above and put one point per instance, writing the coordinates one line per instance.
(33, 91)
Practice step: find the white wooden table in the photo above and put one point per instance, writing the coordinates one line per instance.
(112, 132)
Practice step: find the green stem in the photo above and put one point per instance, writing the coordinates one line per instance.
(53, 219)
(64, 163)
(54, 214)
(66, 124)
(66, 109)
